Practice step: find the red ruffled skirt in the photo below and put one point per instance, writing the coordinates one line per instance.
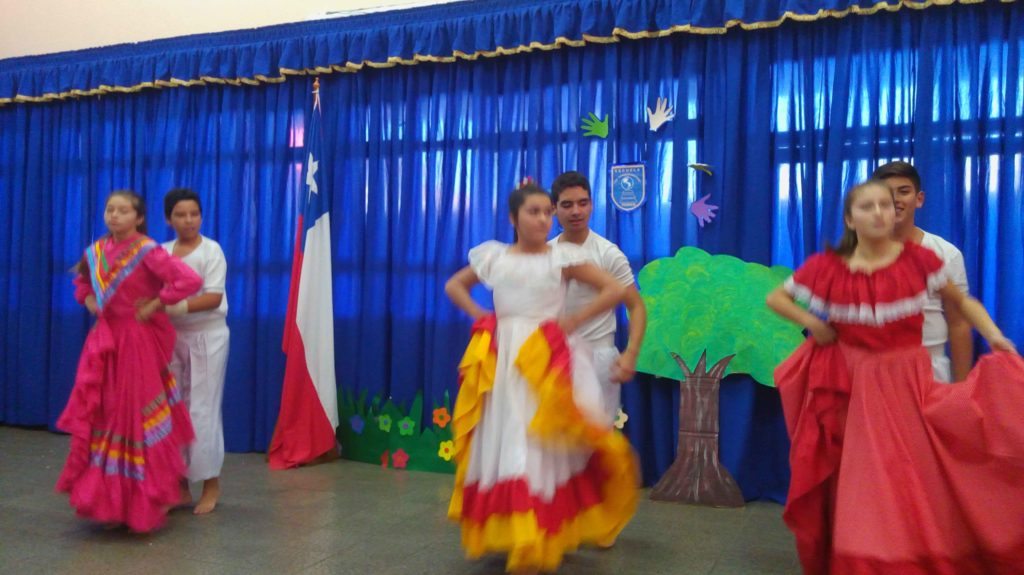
(128, 426)
(895, 473)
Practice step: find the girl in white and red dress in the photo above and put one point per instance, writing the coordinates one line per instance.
(539, 470)
(891, 471)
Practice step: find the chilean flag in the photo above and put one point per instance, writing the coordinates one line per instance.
(309, 397)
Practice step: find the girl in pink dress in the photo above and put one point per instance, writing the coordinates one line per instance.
(891, 471)
(127, 425)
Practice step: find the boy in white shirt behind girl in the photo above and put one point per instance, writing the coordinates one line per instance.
(201, 350)
(570, 193)
(940, 325)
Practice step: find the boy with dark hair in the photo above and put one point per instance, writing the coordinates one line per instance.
(571, 195)
(940, 325)
(201, 352)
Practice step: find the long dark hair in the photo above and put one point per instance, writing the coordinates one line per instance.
(140, 208)
(518, 198)
(848, 241)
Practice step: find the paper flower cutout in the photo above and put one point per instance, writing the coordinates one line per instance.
(704, 211)
(406, 426)
(445, 450)
(661, 114)
(594, 126)
(384, 457)
(384, 423)
(357, 424)
(620, 419)
(442, 417)
(701, 168)
(399, 458)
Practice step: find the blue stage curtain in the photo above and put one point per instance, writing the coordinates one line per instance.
(421, 159)
(445, 33)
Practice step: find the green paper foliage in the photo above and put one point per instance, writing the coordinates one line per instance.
(697, 302)
(362, 438)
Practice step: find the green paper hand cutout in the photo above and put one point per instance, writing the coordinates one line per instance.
(595, 126)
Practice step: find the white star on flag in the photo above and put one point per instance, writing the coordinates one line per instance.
(310, 175)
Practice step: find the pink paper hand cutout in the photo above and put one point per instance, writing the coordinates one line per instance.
(704, 211)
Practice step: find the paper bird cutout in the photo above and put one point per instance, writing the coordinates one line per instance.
(704, 211)
(701, 168)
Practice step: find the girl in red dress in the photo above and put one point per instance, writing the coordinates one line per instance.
(127, 424)
(891, 471)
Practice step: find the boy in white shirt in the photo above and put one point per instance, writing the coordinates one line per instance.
(571, 195)
(940, 325)
(201, 350)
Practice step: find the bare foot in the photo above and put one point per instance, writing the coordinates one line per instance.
(208, 500)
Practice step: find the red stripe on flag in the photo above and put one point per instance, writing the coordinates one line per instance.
(303, 431)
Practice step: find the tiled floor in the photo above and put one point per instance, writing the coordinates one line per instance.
(342, 517)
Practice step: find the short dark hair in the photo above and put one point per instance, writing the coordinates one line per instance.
(568, 180)
(180, 195)
(898, 169)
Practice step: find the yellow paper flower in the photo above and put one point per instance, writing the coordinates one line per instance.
(446, 450)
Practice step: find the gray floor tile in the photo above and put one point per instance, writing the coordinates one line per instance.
(340, 518)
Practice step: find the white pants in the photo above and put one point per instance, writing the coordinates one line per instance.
(940, 363)
(605, 357)
(199, 364)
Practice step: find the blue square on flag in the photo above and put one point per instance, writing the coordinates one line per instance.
(629, 185)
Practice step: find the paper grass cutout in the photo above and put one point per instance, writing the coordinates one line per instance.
(595, 126)
(661, 114)
(701, 168)
(709, 310)
(416, 431)
(704, 211)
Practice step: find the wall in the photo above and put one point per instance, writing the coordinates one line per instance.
(29, 27)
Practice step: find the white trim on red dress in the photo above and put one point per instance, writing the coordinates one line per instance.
(866, 314)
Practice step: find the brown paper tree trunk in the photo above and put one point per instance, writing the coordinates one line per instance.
(696, 476)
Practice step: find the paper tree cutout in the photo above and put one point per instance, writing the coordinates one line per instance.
(704, 211)
(708, 312)
(661, 114)
(594, 126)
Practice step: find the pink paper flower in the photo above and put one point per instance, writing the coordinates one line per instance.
(399, 458)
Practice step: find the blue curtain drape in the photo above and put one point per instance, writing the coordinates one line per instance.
(420, 160)
(450, 32)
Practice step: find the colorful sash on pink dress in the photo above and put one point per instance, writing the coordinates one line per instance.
(106, 276)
